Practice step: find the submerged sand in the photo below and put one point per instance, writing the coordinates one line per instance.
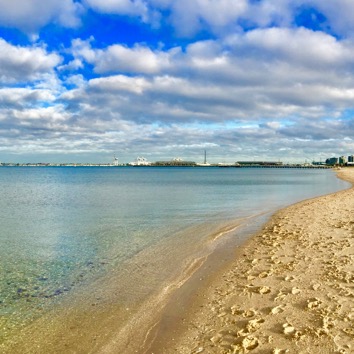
(291, 291)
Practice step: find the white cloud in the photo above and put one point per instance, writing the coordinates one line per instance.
(140, 59)
(123, 7)
(266, 13)
(119, 83)
(75, 80)
(270, 73)
(81, 49)
(339, 14)
(218, 16)
(31, 15)
(21, 64)
(72, 65)
(120, 58)
(189, 17)
(22, 97)
(297, 45)
(48, 117)
(186, 16)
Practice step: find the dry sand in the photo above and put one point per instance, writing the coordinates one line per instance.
(291, 291)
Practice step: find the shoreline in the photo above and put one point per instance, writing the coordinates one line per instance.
(98, 322)
(103, 332)
(289, 290)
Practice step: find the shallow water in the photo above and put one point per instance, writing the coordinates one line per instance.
(64, 228)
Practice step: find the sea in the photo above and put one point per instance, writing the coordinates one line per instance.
(63, 229)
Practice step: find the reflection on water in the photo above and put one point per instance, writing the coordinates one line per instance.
(62, 228)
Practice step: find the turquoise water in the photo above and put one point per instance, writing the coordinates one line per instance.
(62, 228)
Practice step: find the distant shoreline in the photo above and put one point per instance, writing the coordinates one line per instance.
(294, 166)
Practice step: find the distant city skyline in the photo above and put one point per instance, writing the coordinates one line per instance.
(92, 158)
(82, 80)
(115, 161)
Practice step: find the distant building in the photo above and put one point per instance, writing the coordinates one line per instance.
(140, 161)
(115, 161)
(175, 162)
(260, 163)
(342, 160)
(332, 161)
(205, 163)
(350, 161)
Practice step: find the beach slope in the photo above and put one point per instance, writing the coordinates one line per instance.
(290, 291)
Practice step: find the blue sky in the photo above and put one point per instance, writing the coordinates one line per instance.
(264, 80)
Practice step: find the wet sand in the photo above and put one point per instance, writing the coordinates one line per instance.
(289, 290)
(118, 313)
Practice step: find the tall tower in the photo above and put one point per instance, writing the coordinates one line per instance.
(115, 160)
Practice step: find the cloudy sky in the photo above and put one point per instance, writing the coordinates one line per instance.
(81, 80)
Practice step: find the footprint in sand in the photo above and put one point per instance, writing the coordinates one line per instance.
(313, 303)
(264, 290)
(295, 291)
(277, 309)
(288, 329)
(246, 344)
(265, 274)
(316, 286)
(281, 295)
(249, 313)
(290, 278)
(280, 351)
(257, 289)
(252, 326)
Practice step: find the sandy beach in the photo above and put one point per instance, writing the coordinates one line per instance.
(291, 290)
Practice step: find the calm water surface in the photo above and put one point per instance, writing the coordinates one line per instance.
(62, 228)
